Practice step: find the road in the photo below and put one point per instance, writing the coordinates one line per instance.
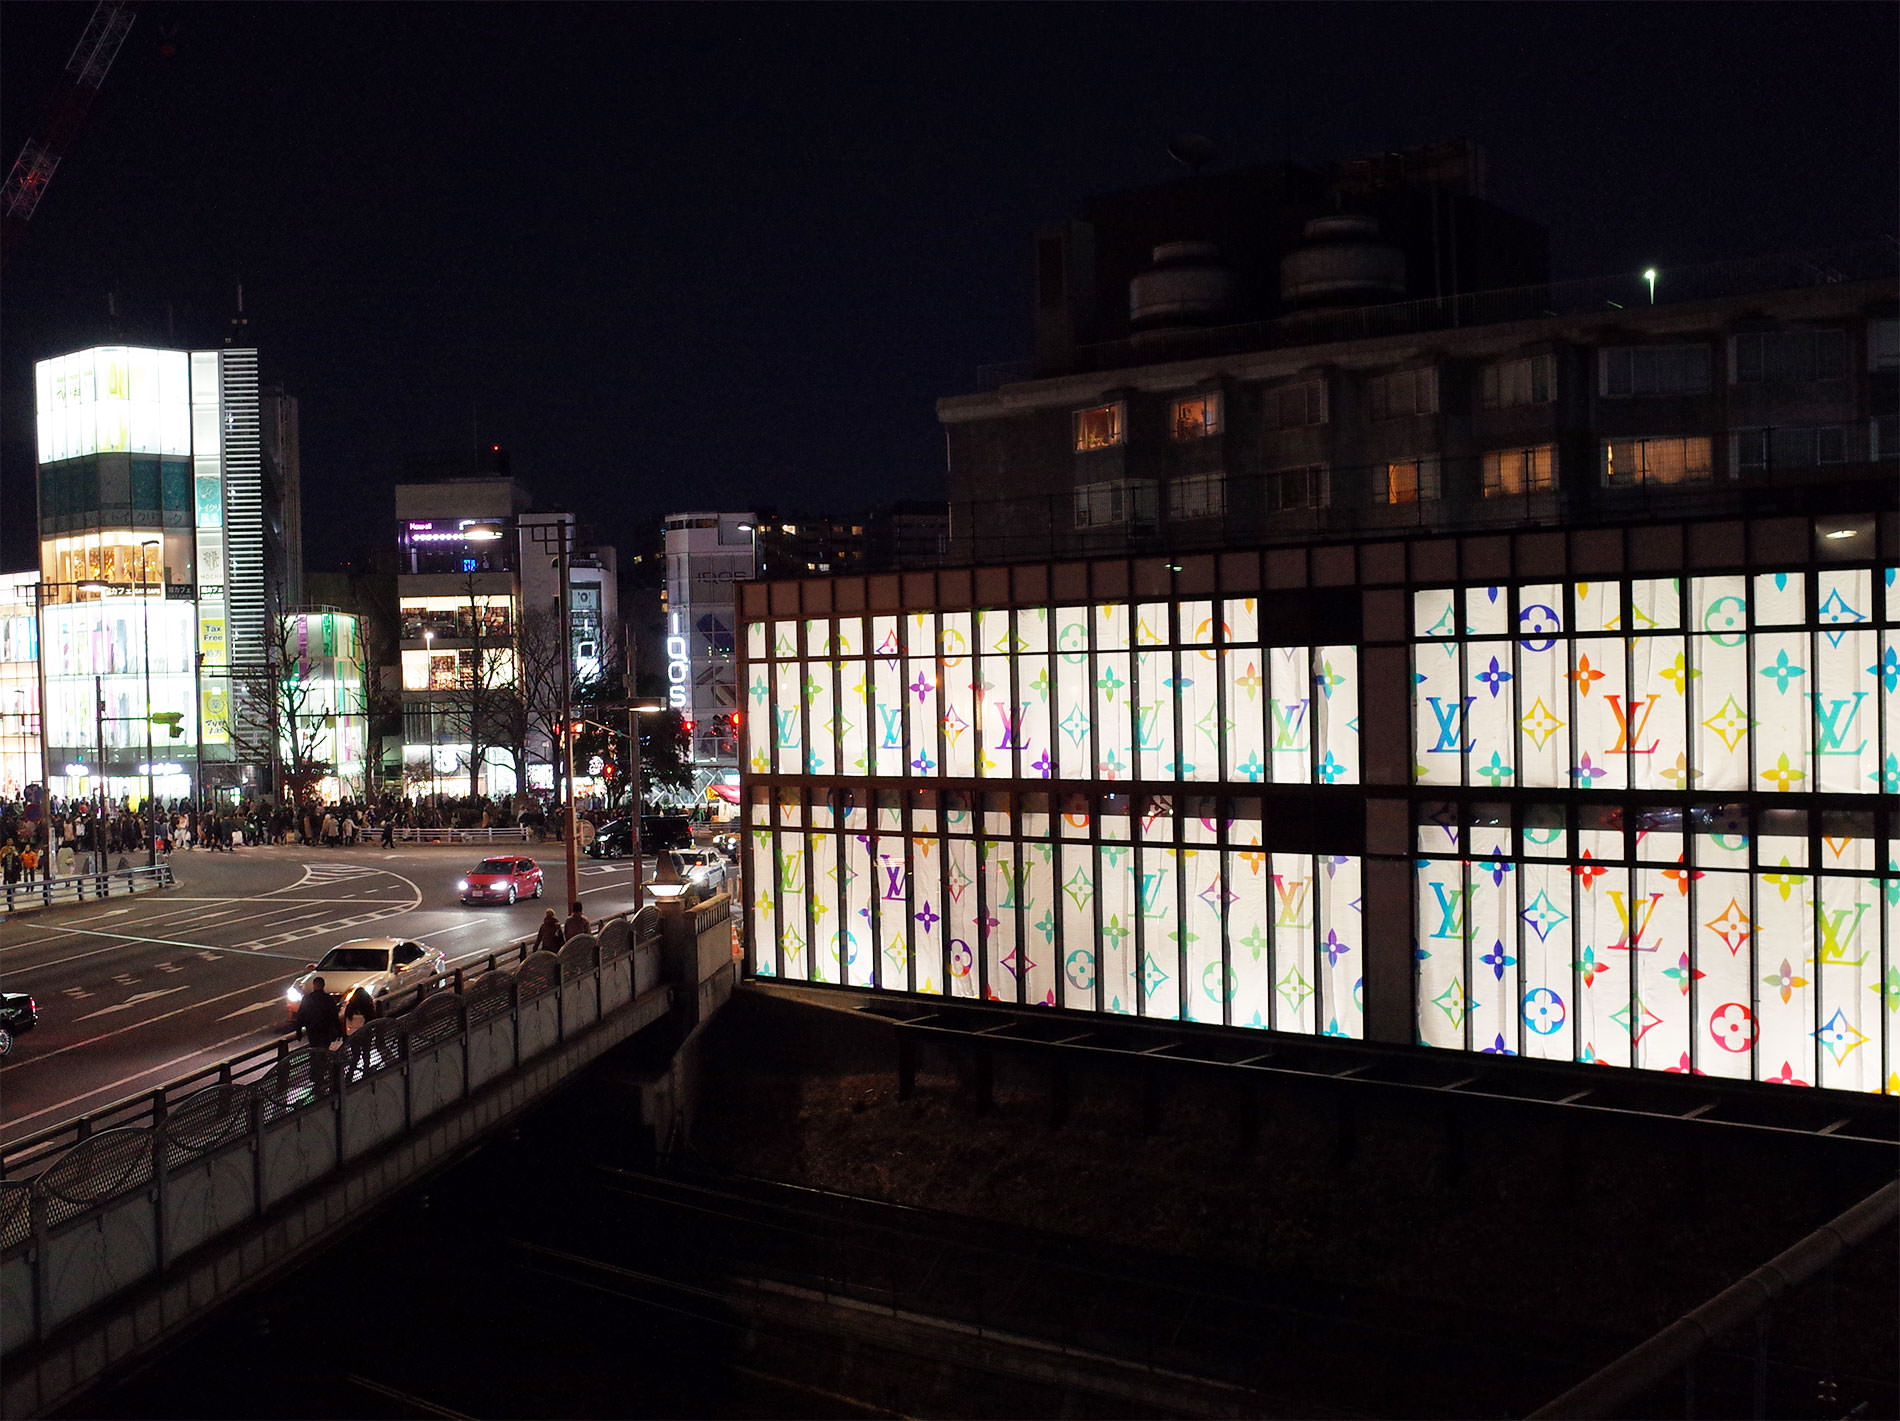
(137, 991)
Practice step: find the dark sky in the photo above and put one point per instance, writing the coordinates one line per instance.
(717, 255)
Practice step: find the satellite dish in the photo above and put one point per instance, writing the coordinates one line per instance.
(1192, 150)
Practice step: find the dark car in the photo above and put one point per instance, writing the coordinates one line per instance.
(612, 840)
(19, 1014)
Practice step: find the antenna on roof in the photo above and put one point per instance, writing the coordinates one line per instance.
(1193, 151)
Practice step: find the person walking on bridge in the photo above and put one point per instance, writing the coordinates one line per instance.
(322, 1028)
(548, 938)
(576, 924)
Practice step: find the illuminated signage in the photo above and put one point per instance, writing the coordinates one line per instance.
(113, 400)
(679, 665)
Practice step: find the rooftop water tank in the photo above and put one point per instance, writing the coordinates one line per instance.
(1187, 287)
(1343, 263)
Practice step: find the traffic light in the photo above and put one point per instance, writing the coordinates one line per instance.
(171, 720)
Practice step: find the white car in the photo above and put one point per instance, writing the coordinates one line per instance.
(702, 873)
(381, 966)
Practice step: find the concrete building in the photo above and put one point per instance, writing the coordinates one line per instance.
(478, 593)
(1513, 672)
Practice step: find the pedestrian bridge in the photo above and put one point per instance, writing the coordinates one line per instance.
(118, 1237)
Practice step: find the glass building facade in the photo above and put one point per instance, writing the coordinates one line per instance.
(1612, 797)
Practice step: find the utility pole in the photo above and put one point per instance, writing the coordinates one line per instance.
(145, 601)
(567, 712)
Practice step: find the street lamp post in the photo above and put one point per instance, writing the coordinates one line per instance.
(567, 713)
(145, 599)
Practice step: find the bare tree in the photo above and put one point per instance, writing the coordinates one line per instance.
(277, 719)
(479, 691)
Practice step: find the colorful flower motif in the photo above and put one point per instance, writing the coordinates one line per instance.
(1108, 683)
(1679, 674)
(1152, 977)
(1732, 1027)
(1543, 1011)
(1590, 967)
(1498, 867)
(927, 917)
(1293, 988)
(1888, 670)
(923, 764)
(1836, 611)
(1256, 942)
(1731, 925)
(1588, 871)
(1539, 723)
(1584, 772)
(1682, 877)
(1785, 981)
(1840, 1036)
(1251, 681)
(1783, 775)
(1784, 883)
(1888, 989)
(1636, 1019)
(1680, 775)
(1454, 1003)
(1889, 775)
(1497, 1047)
(1079, 968)
(1327, 679)
(1683, 1067)
(1683, 973)
(1497, 772)
(1333, 947)
(1043, 765)
(1782, 672)
(1218, 982)
(1497, 959)
(1494, 677)
(1785, 1076)
(1730, 722)
(1584, 675)
(1330, 769)
(1543, 916)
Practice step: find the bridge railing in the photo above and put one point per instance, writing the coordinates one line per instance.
(220, 1148)
(85, 887)
(29, 1156)
(405, 834)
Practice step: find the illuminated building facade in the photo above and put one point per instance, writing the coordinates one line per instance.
(1514, 674)
(19, 683)
(323, 700)
(707, 556)
(163, 557)
(478, 591)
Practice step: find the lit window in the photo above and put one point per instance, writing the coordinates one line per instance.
(1098, 428)
(1405, 392)
(1772, 356)
(1197, 496)
(1508, 472)
(1803, 447)
(1531, 380)
(1412, 480)
(1295, 406)
(1197, 417)
(1629, 462)
(1309, 486)
(1654, 370)
(1114, 503)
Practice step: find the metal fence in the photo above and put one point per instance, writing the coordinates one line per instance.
(119, 1197)
(515, 834)
(86, 887)
(484, 986)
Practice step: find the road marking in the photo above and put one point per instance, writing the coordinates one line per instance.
(124, 979)
(170, 967)
(246, 1011)
(120, 1031)
(133, 1001)
(77, 993)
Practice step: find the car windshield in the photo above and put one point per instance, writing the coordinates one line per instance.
(355, 959)
(495, 866)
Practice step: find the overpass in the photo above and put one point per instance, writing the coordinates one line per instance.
(119, 1231)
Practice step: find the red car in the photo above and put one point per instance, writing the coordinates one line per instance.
(501, 881)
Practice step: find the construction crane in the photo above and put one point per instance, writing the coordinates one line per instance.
(85, 72)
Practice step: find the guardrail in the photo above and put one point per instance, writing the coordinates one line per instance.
(85, 887)
(30, 1155)
(515, 834)
(124, 1203)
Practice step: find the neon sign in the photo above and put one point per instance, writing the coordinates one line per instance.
(679, 664)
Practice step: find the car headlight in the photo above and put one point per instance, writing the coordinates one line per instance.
(292, 995)
(462, 887)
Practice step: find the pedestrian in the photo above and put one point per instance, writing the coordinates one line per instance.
(548, 939)
(389, 832)
(10, 870)
(30, 864)
(322, 1028)
(576, 924)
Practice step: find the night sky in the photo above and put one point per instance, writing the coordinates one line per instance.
(720, 255)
